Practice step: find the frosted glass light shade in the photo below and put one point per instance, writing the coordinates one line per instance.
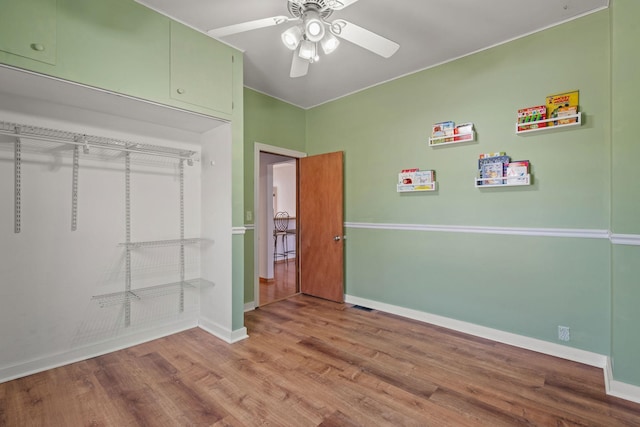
(329, 43)
(314, 28)
(307, 50)
(291, 38)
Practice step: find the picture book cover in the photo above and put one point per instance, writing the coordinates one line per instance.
(517, 172)
(561, 100)
(416, 180)
(407, 176)
(463, 132)
(424, 179)
(532, 114)
(492, 167)
(442, 129)
(492, 170)
(496, 154)
(567, 111)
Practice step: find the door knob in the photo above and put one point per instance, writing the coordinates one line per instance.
(337, 238)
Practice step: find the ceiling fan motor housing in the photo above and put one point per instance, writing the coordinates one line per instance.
(300, 8)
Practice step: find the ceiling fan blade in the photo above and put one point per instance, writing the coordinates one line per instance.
(247, 26)
(340, 4)
(299, 66)
(364, 38)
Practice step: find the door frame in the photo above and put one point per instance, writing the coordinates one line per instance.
(257, 149)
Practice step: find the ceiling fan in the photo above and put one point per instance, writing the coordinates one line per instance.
(313, 30)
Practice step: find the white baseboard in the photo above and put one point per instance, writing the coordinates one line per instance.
(92, 350)
(574, 354)
(613, 387)
(619, 389)
(250, 306)
(221, 332)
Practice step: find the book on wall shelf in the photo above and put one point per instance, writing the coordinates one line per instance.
(442, 129)
(491, 167)
(497, 170)
(563, 105)
(449, 133)
(416, 180)
(559, 110)
(527, 117)
(517, 172)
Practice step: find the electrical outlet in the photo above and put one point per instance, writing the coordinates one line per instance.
(564, 333)
(249, 215)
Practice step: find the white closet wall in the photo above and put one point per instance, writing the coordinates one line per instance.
(50, 275)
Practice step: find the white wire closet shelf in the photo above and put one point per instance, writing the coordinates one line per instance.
(159, 243)
(91, 141)
(119, 298)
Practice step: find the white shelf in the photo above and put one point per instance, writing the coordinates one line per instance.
(91, 141)
(460, 138)
(515, 181)
(157, 243)
(118, 298)
(577, 116)
(411, 188)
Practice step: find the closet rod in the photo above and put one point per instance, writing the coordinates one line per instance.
(89, 141)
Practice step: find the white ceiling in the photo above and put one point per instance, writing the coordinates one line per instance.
(429, 32)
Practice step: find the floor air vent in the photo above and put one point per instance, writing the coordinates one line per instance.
(359, 307)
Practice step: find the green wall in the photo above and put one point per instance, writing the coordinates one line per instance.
(626, 191)
(522, 284)
(582, 180)
(237, 191)
(272, 122)
(385, 129)
(124, 47)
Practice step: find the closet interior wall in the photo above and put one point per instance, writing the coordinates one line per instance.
(94, 222)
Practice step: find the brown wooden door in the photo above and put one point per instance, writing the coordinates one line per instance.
(320, 226)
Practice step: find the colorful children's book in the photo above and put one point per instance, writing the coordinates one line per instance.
(416, 180)
(442, 129)
(492, 167)
(407, 176)
(463, 132)
(561, 100)
(564, 112)
(532, 114)
(517, 172)
(424, 180)
(496, 154)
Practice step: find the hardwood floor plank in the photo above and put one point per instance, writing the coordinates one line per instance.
(311, 362)
(338, 419)
(283, 284)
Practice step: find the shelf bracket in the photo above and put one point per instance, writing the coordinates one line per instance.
(181, 168)
(127, 196)
(17, 152)
(74, 188)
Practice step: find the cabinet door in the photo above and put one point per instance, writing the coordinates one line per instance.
(28, 29)
(201, 69)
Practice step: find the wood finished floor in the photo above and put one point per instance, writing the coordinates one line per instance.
(309, 362)
(283, 284)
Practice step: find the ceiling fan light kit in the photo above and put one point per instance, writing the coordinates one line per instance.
(308, 51)
(313, 26)
(315, 29)
(329, 43)
(292, 37)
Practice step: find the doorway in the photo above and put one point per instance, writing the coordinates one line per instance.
(275, 253)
